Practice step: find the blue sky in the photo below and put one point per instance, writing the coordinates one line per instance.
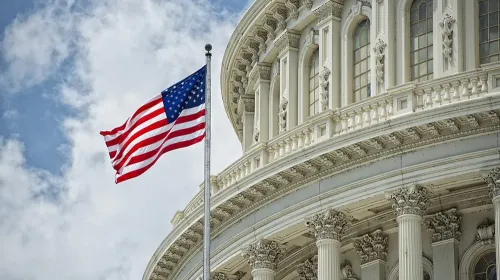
(69, 69)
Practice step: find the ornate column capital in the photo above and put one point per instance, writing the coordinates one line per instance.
(246, 104)
(411, 199)
(264, 254)
(261, 71)
(222, 276)
(493, 181)
(328, 225)
(329, 9)
(444, 226)
(371, 247)
(308, 270)
(288, 40)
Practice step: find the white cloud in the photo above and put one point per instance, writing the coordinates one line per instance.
(122, 53)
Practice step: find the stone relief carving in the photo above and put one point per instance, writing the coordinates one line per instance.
(379, 50)
(328, 225)
(325, 74)
(308, 270)
(264, 254)
(270, 26)
(256, 131)
(447, 34)
(293, 9)
(492, 179)
(330, 8)
(372, 246)
(411, 199)
(308, 4)
(486, 232)
(356, 8)
(283, 112)
(347, 272)
(444, 226)
(280, 15)
(289, 39)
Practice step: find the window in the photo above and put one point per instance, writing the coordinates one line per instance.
(361, 60)
(486, 268)
(421, 40)
(488, 31)
(314, 84)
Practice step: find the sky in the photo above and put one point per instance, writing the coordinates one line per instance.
(69, 69)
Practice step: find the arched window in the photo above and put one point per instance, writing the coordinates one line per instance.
(421, 40)
(314, 84)
(361, 60)
(485, 268)
(488, 31)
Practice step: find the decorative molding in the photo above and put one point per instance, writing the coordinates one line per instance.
(246, 104)
(282, 114)
(493, 181)
(411, 199)
(447, 34)
(293, 9)
(280, 14)
(328, 225)
(264, 254)
(308, 270)
(379, 50)
(357, 8)
(270, 26)
(288, 40)
(346, 271)
(325, 74)
(372, 246)
(308, 4)
(444, 225)
(329, 9)
(486, 232)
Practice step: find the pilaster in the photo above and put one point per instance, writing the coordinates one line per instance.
(372, 251)
(246, 108)
(445, 233)
(288, 46)
(263, 257)
(329, 17)
(410, 204)
(450, 27)
(262, 91)
(383, 19)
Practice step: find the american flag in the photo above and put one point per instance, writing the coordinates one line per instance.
(171, 120)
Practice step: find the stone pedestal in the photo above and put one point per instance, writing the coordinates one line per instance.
(263, 257)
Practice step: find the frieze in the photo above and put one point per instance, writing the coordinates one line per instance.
(264, 254)
(444, 226)
(371, 247)
(330, 224)
(411, 199)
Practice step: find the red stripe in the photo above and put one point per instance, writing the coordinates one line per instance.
(152, 127)
(168, 148)
(151, 140)
(112, 154)
(144, 107)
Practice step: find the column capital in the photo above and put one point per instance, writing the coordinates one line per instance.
(288, 40)
(328, 225)
(308, 270)
(411, 199)
(371, 247)
(493, 180)
(246, 104)
(261, 72)
(264, 254)
(444, 225)
(332, 8)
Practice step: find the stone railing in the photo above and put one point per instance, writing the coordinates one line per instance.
(396, 102)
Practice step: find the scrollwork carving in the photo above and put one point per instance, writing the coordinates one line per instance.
(447, 34)
(293, 9)
(328, 225)
(264, 254)
(379, 50)
(308, 270)
(372, 247)
(444, 226)
(280, 15)
(411, 199)
(325, 74)
(270, 27)
(492, 179)
(308, 4)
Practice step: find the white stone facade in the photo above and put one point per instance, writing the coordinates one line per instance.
(371, 139)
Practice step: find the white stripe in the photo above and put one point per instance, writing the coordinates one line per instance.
(153, 133)
(144, 163)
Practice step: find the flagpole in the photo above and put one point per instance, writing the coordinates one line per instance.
(206, 224)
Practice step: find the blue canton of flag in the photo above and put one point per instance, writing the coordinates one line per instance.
(186, 94)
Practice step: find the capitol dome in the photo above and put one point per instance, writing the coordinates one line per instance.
(370, 132)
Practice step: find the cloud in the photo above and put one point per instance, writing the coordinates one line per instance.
(109, 57)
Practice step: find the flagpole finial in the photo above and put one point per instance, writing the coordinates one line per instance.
(208, 48)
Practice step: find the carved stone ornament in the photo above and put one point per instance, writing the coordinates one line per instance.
(312, 37)
(329, 9)
(270, 26)
(256, 132)
(308, 4)
(444, 226)
(412, 199)
(328, 225)
(371, 247)
(282, 114)
(246, 104)
(289, 39)
(493, 181)
(325, 74)
(280, 15)
(379, 50)
(447, 33)
(264, 254)
(486, 232)
(346, 271)
(293, 9)
(357, 8)
(308, 270)
(222, 276)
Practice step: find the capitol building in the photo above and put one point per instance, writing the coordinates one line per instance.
(370, 132)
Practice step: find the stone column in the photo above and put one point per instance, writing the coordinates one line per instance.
(263, 257)
(410, 204)
(288, 47)
(445, 233)
(246, 107)
(493, 181)
(328, 228)
(372, 250)
(308, 270)
(329, 17)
